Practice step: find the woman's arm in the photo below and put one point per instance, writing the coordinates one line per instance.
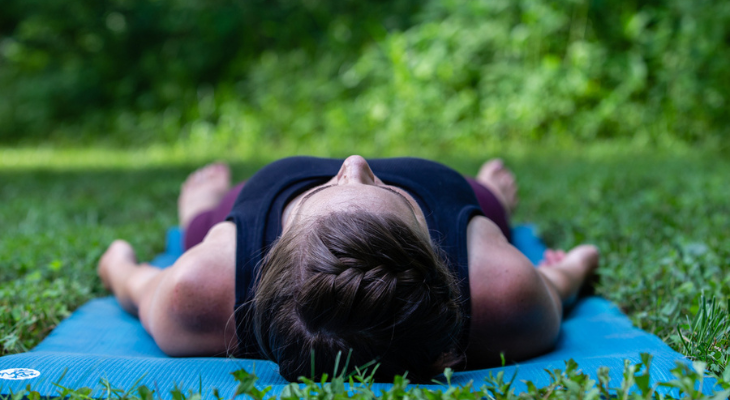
(517, 308)
(188, 307)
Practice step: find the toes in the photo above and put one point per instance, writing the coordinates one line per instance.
(208, 172)
(202, 190)
(501, 181)
(507, 182)
(223, 170)
(197, 176)
(490, 167)
(508, 178)
(495, 164)
(216, 170)
(495, 170)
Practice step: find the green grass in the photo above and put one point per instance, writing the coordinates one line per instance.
(660, 218)
(567, 383)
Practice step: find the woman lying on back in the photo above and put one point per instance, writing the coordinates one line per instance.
(402, 261)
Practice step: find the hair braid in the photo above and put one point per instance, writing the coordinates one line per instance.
(360, 281)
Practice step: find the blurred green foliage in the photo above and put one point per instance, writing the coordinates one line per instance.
(83, 62)
(441, 73)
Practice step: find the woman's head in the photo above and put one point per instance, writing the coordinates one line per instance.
(362, 281)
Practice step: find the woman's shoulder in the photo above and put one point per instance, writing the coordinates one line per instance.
(194, 301)
(511, 307)
(487, 246)
(213, 260)
(497, 270)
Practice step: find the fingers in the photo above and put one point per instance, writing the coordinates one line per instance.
(118, 252)
(552, 257)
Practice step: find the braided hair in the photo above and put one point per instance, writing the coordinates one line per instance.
(361, 282)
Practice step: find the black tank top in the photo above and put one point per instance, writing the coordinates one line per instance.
(445, 197)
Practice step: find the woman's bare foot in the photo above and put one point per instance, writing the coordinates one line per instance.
(202, 191)
(500, 181)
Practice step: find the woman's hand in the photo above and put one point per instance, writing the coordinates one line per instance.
(551, 257)
(121, 274)
(187, 307)
(118, 253)
(567, 272)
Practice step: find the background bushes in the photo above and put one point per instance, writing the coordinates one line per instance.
(449, 73)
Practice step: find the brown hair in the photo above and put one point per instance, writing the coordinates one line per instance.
(361, 282)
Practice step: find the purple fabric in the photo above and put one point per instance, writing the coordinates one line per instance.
(201, 224)
(491, 207)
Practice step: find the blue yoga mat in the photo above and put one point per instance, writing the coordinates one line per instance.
(101, 341)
